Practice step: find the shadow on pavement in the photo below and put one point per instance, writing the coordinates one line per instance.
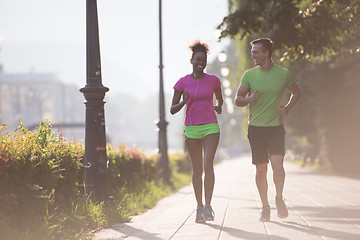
(330, 213)
(242, 234)
(128, 230)
(319, 231)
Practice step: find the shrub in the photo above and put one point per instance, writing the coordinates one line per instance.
(180, 163)
(39, 161)
(40, 193)
(38, 172)
(129, 168)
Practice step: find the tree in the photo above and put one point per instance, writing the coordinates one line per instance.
(302, 28)
(322, 39)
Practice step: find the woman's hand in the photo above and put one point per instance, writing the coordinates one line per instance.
(218, 109)
(176, 104)
(219, 100)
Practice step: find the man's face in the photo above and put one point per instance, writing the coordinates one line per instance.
(259, 54)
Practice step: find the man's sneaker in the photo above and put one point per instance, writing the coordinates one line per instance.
(282, 211)
(208, 213)
(199, 215)
(265, 214)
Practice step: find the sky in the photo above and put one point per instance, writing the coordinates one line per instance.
(49, 36)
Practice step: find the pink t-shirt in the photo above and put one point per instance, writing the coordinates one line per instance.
(199, 107)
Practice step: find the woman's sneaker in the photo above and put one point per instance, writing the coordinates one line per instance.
(199, 215)
(282, 211)
(265, 214)
(208, 213)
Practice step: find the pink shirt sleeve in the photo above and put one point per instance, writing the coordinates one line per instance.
(217, 83)
(179, 85)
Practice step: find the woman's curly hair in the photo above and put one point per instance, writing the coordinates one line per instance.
(198, 46)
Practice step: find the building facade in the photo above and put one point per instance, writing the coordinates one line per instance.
(35, 97)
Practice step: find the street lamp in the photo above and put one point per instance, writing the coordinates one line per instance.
(162, 123)
(228, 92)
(222, 57)
(95, 161)
(224, 71)
(226, 83)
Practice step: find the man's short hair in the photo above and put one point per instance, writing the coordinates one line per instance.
(267, 44)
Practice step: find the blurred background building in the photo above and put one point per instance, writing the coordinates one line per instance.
(35, 97)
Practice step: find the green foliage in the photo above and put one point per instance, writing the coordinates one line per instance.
(180, 163)
(135, 201)
(181, 170)
(38, 171)
(303, 28)
(128, 168)
(41, 197)
(73, 222)
(328, 113)
(323, 37)
(330, 98)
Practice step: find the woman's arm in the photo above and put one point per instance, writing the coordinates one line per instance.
(176, 105)
(219, 100)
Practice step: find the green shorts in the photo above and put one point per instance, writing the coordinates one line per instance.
(201, 131)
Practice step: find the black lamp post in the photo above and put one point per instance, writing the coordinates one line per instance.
(96, 165)
(163, 148)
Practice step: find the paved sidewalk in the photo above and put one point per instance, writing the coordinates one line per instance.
(320, 207)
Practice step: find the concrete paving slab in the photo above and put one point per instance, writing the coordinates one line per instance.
(320, 207)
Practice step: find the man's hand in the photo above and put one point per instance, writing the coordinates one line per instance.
(283, 111)
(254, 97)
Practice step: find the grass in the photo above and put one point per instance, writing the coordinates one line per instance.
(314, 166)
(40, 194)
(84, 216)
(129, 203)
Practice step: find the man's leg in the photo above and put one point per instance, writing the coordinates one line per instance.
(279, 179)
(277, 164)
(276, 153)
(258, 139)
(262, 186)
(261, 182)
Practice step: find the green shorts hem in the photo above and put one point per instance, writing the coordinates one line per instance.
(201, 131)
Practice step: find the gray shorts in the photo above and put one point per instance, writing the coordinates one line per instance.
(266, 141)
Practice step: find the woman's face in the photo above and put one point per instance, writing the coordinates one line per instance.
(199, 61)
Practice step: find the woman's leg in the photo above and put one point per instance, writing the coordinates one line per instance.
(194, 147)
(210, 142)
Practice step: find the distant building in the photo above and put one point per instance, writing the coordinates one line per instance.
(34, 97)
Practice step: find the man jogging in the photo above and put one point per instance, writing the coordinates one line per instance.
(263, 88)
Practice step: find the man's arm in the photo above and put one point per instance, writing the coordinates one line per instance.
(294, 98)
(241, 100)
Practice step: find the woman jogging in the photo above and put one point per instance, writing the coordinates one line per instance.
(201, 129)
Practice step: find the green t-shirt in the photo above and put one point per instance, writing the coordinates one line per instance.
(271, 85)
